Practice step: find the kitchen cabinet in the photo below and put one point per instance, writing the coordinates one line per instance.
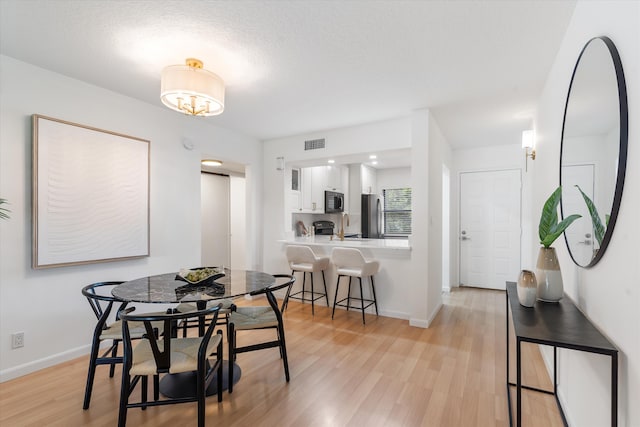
(313, 184)
(334, 179)
(295, 201)
(318, 179)
(369, 180)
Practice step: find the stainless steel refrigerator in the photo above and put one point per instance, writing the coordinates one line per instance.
(372, 223)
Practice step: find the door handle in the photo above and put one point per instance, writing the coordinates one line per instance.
(465, 238)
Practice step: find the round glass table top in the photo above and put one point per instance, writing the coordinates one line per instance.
(165, 288)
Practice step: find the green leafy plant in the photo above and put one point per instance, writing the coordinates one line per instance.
(549, 229)
(4, 212)
(598, 228)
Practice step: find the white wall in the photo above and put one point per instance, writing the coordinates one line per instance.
(44, 302)
(609, 293)
(393, 178)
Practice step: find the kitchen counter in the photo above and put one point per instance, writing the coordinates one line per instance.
(359, 243)
(393, 282)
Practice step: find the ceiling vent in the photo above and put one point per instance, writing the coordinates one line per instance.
(314, 144)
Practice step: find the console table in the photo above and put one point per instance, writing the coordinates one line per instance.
(558, 325)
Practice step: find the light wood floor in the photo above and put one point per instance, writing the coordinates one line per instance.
(342, 374)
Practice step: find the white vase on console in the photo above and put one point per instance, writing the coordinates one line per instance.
(549, 276)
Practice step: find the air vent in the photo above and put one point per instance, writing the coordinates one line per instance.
(314, 144)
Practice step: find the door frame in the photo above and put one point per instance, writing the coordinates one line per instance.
(455, 237)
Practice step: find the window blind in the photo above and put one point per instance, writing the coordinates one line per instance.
(397, 211)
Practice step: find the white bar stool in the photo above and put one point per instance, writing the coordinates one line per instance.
(302, 258)
(350, 262)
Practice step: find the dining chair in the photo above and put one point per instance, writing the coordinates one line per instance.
(351, 263)
(101, 303)
(223, 314)
(155, 355)
(303, 259)
(260, 317)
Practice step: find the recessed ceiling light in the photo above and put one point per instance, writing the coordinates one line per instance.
(211, 162)
(374, 162)
(373, 156)
(331, 161)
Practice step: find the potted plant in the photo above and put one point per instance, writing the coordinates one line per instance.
(548, 273)
(598, 228)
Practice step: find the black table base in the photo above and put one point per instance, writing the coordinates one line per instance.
(184, 384)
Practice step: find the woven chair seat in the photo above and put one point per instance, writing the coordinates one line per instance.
(184, 355)
(253, 318)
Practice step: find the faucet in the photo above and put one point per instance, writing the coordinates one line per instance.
(341, 232)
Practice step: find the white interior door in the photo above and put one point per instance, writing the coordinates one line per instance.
(214, 193)
(490, 228)
(580, 234)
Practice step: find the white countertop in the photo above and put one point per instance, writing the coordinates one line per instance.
(393, 244)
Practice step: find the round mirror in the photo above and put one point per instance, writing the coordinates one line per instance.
(594, 150)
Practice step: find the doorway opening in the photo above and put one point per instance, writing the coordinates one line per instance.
(223, 220)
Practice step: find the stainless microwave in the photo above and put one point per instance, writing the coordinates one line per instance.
(333, 202)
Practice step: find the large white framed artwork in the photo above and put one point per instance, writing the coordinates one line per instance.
(90, 194)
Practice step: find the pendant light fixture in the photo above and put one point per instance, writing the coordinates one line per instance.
(191, 89)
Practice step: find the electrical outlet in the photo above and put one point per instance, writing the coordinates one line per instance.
(17, 340)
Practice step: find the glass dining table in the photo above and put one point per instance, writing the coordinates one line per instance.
(169, 289)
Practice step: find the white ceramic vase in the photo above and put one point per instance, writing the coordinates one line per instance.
(527, 288)
(549, 277)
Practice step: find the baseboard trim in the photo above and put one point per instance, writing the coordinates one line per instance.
(434, 314)
(46, 362)
(419, 323)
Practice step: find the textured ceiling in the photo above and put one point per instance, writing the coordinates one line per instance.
(299, 66)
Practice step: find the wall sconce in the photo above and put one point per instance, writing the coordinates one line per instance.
(527, 144)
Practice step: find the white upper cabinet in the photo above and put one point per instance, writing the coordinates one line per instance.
(318, 179)
(314, 181)
(334, 178)
(369, 180)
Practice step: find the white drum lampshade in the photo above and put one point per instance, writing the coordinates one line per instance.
(192, 90)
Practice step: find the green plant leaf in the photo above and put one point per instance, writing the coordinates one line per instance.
(558, 229)
(598, 228)
(549, 216)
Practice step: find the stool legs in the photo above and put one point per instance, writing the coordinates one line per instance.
(375, 300)
(361, 300)
(362, 307)
(326, 294)
(304, 291)
(335, 298)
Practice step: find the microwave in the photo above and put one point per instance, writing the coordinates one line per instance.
(333, 202)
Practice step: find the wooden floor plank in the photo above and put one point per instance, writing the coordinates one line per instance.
(343, 373)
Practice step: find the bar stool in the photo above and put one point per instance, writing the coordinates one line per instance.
(350, 262)
(302, 258)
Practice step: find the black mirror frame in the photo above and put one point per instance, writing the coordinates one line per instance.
(622, 154)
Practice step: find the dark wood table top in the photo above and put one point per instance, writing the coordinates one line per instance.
(561, 324)
(165, 288)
